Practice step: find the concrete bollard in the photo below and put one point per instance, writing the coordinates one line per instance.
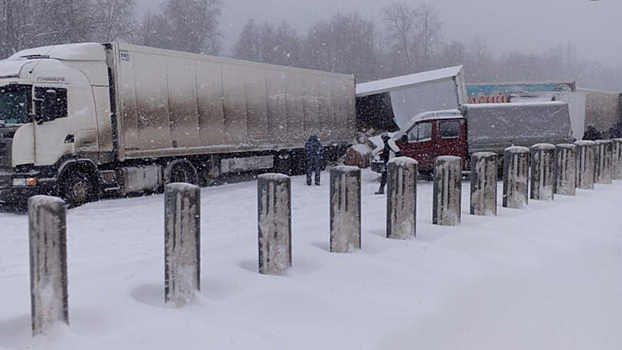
(542, 172)
(484, 184)
(402, 198)
(48, 262)
(345, 209)
(585, 164)
(447, 191)
(274, 223)
(565, 163)
(515, 174)
(182, 242)
(603, 167)
(617, 159)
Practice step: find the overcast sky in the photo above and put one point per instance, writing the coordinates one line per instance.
(594, 27)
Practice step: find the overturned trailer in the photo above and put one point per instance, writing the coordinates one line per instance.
(390, 104)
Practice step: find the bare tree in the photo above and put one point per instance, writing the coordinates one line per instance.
(15, 25)
(345, 44)
(154, 31)
(194, 25)
(429, 34)
(400, 22)
(269, 44)
(288, 46)
(479, 62)
(453, 54)
(248, 47)
(61, 21)
(113, 20)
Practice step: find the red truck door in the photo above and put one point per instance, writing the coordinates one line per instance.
(451, 138)
(419, 144)
(429, 139)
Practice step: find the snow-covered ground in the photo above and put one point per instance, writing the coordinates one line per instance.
(545, 277)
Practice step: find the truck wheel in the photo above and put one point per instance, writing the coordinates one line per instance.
(299, 163)
(77, 189)
(183, 172)
(283, 163)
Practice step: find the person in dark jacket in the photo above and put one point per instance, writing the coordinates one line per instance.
(389, 151)
(313, 156)
(591, 133)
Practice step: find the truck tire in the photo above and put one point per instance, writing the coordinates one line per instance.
(77, 188)
(299, 163)
(183, 172)
(283, 163)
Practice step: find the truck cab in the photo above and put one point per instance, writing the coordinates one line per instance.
(433, 134)
(54, 115)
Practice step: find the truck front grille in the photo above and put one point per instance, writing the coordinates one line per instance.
(5, 181)
(5, 152)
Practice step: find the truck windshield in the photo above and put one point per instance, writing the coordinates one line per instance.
(14, 104)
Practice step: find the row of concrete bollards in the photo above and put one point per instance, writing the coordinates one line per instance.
(554, 170)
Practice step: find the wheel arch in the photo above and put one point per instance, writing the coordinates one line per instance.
(85, 165)
(166, 173)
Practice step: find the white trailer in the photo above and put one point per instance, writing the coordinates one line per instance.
(80, 120)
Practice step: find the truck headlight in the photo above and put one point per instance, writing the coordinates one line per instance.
(23, 182)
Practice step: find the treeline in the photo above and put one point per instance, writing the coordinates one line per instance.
(188, 25)
(409, 39)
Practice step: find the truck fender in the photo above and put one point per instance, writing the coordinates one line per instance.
(86, 163)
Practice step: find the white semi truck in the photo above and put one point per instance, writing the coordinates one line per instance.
(82, 120)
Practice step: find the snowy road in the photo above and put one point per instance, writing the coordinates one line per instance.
(546, 277)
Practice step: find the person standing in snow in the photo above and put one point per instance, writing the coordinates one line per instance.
(314, 152)
(389, 151)
(591, 133)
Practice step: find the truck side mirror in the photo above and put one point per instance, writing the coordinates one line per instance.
(404, 138)
(49, 105)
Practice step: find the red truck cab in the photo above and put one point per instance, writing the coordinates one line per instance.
(434, 134)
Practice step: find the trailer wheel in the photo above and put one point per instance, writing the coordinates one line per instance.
(77, 188)
(183, 172)
(283, 163)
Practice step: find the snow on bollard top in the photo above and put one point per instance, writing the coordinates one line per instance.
(517, 149)
(484, 154)
(45, 200)
(543, 146)
(403, 161)
(273, 177)
(181, 186)
(585, 143)
(602, 142)
(448, 158)
(347, 169)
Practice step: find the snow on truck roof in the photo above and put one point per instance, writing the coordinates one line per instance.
(11, 69)
(512, 104)
(447, 113)
(384, 85)
(444, 114)
(79, 52)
